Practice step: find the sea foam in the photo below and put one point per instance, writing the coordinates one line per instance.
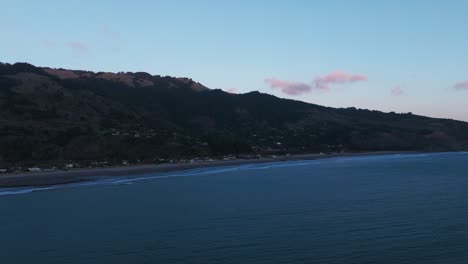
(225, 169)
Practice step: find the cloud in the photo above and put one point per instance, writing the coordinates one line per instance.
(462, 86)
(337, 77)
(397, 91)
(320, 83)
(288, 87)
(105, 30)
(78, 46)
(48, 44)
(232, 90)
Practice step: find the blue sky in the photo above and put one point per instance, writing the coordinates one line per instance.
(403, 56)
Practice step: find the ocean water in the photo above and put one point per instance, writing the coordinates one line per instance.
(374, 209)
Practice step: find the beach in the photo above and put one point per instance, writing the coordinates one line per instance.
(386, 209)
(50, 178)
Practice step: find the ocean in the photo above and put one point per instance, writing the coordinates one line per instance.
(407, 208)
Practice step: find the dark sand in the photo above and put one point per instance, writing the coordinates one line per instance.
(48, 178)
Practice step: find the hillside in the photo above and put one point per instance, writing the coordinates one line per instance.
(54, 115)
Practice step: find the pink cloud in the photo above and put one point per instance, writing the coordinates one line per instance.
(78, 46)
(397, 91)
(288, 87)
(320, 83)
(232, 90)
(48, 44)
(462, 86)
(337, 77)
(110, 32)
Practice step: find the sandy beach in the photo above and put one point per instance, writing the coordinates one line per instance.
(49, 178)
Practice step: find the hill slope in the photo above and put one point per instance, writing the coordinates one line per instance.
(55, 114)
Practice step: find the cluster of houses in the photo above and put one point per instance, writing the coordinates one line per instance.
(150, 133)
(97, 164)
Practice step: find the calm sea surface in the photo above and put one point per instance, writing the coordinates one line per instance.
(378, 209)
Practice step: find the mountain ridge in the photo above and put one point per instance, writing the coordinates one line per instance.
(51, 115)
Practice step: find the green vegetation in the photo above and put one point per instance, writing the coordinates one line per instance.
(49, 115)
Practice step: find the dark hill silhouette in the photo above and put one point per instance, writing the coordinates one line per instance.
(49, 115)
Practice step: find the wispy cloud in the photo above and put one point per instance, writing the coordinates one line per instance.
(48, 44)
(78, 46)
(462, 86)
(232, 90)
(320, 83)
(106, 30)
(288, 87)
(397, 91)
(337, 77)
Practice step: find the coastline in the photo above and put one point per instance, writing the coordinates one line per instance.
(51, 178)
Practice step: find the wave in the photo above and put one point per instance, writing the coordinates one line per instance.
(217, 170)
(17, 191)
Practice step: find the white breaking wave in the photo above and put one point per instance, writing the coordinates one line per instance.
(16, 191)
(217, 170)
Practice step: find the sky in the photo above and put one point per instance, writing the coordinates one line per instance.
(399, 55)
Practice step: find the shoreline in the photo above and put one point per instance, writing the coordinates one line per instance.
(59, 177)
